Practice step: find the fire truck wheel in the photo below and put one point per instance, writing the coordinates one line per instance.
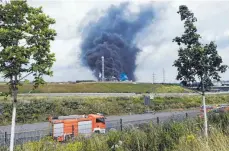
(68, 137)
(97, 131)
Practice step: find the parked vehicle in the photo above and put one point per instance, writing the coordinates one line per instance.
(66, 127)
(208, 108)
(224, 108)
(221, 108)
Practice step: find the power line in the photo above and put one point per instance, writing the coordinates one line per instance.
(163, 75)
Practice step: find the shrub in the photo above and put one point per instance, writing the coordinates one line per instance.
(37, 109)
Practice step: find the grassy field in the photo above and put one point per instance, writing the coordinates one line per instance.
(37, 109)
(100, 88)
(173, 136)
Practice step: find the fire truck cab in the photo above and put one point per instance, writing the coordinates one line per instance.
(65, 127)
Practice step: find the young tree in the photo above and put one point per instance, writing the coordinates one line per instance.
(195, 60)
(25, 36)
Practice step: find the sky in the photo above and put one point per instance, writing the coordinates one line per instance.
(158, 50)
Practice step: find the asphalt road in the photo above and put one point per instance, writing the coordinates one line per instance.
(111, 121)
(117, 94)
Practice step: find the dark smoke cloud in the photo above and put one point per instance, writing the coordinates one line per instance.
(112, 36)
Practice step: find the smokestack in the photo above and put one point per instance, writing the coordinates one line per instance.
(102, 68)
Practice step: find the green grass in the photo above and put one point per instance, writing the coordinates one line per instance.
(100, 88)
(37, 109)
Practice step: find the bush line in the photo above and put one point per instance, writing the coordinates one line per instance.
(30, 109)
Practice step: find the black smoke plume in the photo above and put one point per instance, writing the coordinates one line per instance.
(112, 36)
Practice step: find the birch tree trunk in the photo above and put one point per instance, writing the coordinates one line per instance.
(14, 95)
(204, 107)
(205, 115)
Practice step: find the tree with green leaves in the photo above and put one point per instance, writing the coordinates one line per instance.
(25, 36)
(195, 60)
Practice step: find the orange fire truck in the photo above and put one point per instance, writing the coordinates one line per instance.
(65, 127)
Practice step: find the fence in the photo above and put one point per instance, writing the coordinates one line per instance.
(36, 135)
(23, 137)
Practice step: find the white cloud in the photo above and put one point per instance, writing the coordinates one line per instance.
(212, 25)
(156, 41)
(69, 15)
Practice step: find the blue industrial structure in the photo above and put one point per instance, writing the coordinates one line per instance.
(123, 77)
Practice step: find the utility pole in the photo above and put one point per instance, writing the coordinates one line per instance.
(102, 68)
(163, 75)
(153, 78)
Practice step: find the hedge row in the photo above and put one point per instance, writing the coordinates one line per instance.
(31, 109)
